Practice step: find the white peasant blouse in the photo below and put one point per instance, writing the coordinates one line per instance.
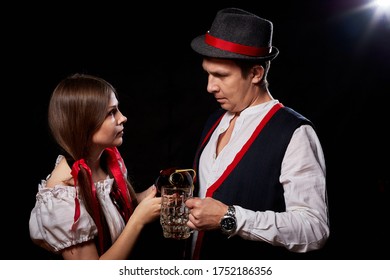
(52, 217)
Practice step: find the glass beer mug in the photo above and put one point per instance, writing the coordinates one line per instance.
(175, 186)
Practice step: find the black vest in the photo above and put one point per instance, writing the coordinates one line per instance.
(252, 184)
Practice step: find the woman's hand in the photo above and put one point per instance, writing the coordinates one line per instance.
(149, 206)
(142, 195)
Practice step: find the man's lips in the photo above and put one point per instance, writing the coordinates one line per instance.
(221, 100)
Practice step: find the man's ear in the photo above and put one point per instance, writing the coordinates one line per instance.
(257, 73)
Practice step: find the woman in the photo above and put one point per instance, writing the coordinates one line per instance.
(86, 208)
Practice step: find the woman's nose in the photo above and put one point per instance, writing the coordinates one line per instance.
(122, 118)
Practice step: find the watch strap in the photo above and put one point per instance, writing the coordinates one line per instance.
(231, 211)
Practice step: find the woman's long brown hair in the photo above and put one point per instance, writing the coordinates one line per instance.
(77, 109)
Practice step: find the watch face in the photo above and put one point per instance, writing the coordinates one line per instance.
(228, 223)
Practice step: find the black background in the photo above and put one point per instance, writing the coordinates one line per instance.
(333, 67)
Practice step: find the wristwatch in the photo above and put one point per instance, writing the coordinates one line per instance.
(228, 221)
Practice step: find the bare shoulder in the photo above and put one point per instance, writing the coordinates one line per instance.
(61, 174)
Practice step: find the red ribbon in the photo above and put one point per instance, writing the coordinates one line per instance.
(118, 169)
(234, 47)
(75, 172)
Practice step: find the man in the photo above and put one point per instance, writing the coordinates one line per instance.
(261, 184)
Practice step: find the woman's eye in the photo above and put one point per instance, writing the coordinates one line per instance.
(112, 112)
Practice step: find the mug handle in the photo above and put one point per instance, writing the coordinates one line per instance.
(187, 170)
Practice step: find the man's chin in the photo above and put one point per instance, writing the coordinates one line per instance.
(225, 107)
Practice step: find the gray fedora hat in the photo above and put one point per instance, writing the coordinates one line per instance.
(237, 34)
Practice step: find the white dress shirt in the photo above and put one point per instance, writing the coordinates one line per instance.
(304, 226)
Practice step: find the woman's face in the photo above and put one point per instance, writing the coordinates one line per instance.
(111, 131)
